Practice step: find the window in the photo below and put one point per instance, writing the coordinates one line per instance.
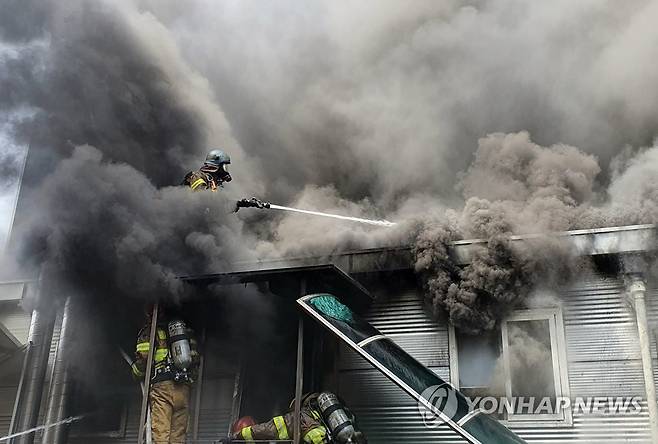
(518, 372)
(104, 414)
(101, 395)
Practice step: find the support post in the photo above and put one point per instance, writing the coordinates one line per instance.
(198, 389)
(237, 394)
(28, 398)
(147, 375)
(299, 382)
(637, 290)
(59, 384)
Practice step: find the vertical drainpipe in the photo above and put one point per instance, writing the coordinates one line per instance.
(59, 384)
(637, 289)
(28, 399)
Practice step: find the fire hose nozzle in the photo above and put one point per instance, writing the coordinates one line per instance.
(252, 202)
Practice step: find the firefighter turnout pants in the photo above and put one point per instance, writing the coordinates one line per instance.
(169, 412)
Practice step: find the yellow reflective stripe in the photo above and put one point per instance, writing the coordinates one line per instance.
(143, 347)
(197, 183)
(161, 354)
(316, 436)
(281, 428)
(315, 414)
(247, 434)
(162, 334)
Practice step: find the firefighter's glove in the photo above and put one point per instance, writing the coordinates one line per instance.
(253, 202)
(138, 374)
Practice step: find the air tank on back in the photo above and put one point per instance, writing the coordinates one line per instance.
(179, 345)
(337, 419)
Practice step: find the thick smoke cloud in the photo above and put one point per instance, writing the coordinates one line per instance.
(386, 101)
(131, 239)
(515, 186)
(369, 109)
(634, 189)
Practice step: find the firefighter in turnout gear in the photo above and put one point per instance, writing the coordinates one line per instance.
(212, 174)
(174, 360)
(323, 419)
(281, 427)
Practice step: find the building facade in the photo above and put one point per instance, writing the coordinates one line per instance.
(586, 348)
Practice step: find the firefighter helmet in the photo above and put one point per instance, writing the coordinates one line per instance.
(217, 162)
(217, 158)
(243, 422)
(307, 398)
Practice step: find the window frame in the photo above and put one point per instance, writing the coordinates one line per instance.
(119, 432)
(559, 359)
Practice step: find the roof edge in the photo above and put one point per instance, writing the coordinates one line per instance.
(590, 242)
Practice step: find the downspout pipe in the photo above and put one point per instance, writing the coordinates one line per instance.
(28, 399)
(637, 290)
(59, 383)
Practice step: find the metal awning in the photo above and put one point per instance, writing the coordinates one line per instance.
(324, 278)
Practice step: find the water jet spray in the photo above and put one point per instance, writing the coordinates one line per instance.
(257, 203)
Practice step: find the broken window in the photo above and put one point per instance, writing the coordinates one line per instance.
(517, 372)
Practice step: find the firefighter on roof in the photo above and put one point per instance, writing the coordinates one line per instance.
(175, 360)
(213, 174)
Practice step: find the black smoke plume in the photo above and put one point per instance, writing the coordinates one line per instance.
(513, 187)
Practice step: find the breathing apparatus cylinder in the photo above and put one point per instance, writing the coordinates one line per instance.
(179, 345)
(336, 418)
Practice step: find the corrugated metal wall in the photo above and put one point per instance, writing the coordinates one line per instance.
(15, 320)
(602, 354)
(385, 412)
(604, 360)
(17, 323)
(7, 396)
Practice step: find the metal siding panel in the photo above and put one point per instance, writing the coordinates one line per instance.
(15, 320)
(11, 291)
(621, 378)
(7, 396)
(589, 304)
(371, 388)
(603, 360)
(215, 412)
(402, 314)
(602, 355)
(602, 342)
(400, 424)
(385, 412)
